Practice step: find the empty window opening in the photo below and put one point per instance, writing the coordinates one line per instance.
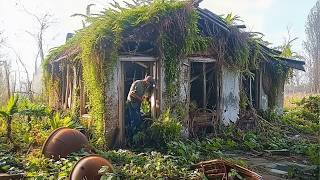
(250, 86)
(203, 98)
(203, 85)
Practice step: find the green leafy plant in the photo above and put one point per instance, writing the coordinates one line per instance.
(231, 19)
(153, 165)
(250, 141)
(186, 151)
(10, 164)
(7, 113)
(234, 174)
(145, 106)
(56, 121)
(39, 167)
(32, 110)
(306, 116)
(165, 129)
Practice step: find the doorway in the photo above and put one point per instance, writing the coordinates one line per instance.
(132, 69)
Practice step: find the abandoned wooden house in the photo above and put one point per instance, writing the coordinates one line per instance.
(200, 62)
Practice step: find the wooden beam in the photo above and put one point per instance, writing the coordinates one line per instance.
(138, 58)
(204, 85)
(196, 77)
(201, 59)
(141, 64)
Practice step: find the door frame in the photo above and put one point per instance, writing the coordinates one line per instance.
(121, 111)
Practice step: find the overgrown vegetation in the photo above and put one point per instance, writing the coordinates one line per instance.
(172, 28)
(164, 153)
(150, 165)
(100, 42)
(305, 116)
(159, 150)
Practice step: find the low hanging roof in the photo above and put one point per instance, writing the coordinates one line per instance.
(218, 24)
(270, 55)
(275, 58)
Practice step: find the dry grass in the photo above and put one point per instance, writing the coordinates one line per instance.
(290, 100)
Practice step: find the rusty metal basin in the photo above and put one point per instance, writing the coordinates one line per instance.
(64, 141)
(88, 168)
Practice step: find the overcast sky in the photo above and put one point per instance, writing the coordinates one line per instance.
(271, 17)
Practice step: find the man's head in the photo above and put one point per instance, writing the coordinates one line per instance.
(150, 81)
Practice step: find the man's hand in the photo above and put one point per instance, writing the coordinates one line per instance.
(146, 98)
(136, 97)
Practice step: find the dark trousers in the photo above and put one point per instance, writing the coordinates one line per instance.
(133, 119)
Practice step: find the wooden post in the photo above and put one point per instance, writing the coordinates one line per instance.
(250, 91)
(121, 104)
(219, 94)
(258, 88)
(67, 88)
(63, 83)
(204, 85)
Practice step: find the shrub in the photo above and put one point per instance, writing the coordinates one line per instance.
(164, 130)
(306, 116)
(39, 167)
(153, 165)
(186, 151)
(250, 141)
(56, 121)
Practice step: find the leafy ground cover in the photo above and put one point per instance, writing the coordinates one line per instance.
(159, 150)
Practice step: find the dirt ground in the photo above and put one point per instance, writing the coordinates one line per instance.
(272, 167)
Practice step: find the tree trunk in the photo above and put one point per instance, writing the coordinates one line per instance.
(29, 123)
(312, 45)
(6, 67)
(9, 133)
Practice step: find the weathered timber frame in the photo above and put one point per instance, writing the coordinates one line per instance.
(155, 98)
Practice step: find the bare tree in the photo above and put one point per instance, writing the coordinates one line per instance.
(28, 82)
(312, 46)
(1, 38)
(43, 23)
(6, 68)
(85, 16)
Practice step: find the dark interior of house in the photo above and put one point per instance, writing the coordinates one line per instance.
(134, 71)
(203, 85)
(249, 85)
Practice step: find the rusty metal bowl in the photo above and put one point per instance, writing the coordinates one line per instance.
(88, 168)
(64, 141)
